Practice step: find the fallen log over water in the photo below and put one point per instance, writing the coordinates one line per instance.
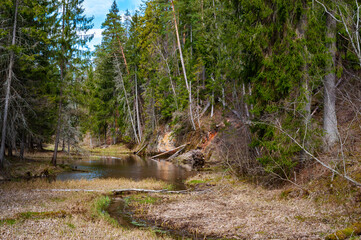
(68, 190)
(119, 191)
(114, 191)
(170, 151)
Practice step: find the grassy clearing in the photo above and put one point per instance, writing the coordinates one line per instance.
(104, 185)
(16, 169)
(65, 215)
(109, 150)
(236, 209)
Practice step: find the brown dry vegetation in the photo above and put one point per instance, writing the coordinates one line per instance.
(240, 210)
(27, 213)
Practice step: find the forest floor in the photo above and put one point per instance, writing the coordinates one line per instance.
(222, 207)
(35, 164)
(234, 209)
(30, 211)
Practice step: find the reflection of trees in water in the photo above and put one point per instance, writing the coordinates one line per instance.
(134, 167)
(169, 172)
(124, 160)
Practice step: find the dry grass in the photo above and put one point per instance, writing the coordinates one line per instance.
(74, 227)
(76, 221)
(105, 185)
(109, 150)
(238, 210)
(231, 209)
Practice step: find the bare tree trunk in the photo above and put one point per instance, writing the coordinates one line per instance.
(170, 76)
(10, 150)
(127, 102)
(245, 103)
(41, 145)
(137, 107)
(212, 107)
(63, 147)
(189, 87)
(121, 49)
(62, 68)
(8, 87)
(58, 125)
(22, 146)
(329, 115)
(305, 86)
(91, 141)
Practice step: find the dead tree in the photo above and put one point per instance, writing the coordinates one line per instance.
(329, 116)
(9, 78)
(188, 84)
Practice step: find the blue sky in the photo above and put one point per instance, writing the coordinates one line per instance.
(100, 8)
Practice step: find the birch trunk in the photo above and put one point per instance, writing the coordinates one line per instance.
(8, 87)
(329, 115)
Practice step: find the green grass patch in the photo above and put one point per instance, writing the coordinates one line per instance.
(197, 181)
(142, 199)
(38, 215)
(99, 207)
(301, 218)
(58, 199)
(70, 225)
(7, 221)
(32, 215)
(351, 231)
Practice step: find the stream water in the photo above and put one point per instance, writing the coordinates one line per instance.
(126, 166)
(136, 168)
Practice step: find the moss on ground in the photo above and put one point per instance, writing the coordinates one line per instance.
(33, 215)
(353, 230)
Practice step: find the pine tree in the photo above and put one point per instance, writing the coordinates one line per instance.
(71, 22)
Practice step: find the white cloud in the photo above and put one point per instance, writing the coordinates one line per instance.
(99, 9)
(96, 7)
(97, 32)
(97, 39)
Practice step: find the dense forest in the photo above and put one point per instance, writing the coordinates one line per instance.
(191, 119)
(287, 71)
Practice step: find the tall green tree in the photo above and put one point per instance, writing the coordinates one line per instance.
(69, 39)
(24, 35)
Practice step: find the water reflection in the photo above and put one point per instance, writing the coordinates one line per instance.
(126, 166)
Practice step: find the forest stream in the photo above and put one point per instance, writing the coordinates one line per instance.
(126, 166)
(136, 168)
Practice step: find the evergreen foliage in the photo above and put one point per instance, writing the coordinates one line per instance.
(265, 61)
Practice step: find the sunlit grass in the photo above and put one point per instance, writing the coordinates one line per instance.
(28, 213)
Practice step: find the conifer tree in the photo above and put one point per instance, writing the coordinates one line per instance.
(71, 23)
